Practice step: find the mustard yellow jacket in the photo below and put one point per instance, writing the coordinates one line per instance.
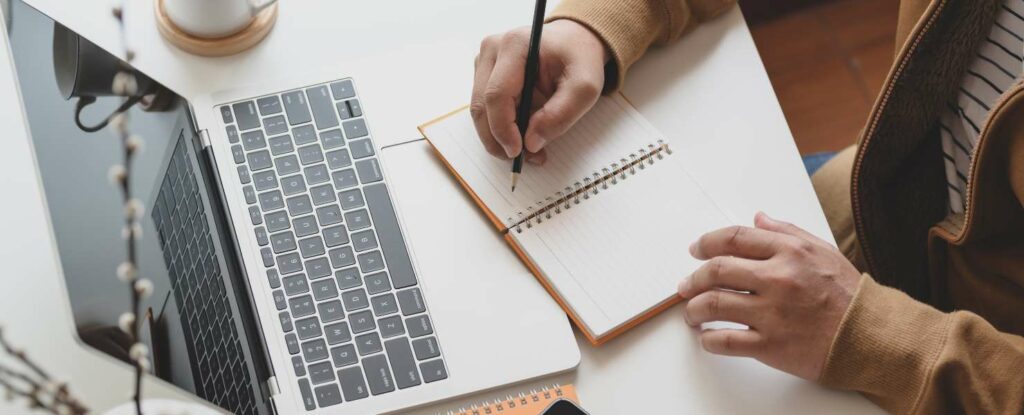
(940, 331)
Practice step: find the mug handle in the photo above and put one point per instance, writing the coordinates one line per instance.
(258, 5)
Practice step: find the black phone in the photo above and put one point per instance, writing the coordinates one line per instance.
(564, 407)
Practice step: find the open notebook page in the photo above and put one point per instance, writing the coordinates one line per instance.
(617, 254)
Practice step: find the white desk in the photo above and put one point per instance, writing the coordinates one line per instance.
(709, 92)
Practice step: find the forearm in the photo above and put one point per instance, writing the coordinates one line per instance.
(911, 358)
(629, 27)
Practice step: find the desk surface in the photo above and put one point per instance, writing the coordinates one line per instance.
(710, 92)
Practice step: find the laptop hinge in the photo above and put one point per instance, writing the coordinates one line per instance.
(271, 390)
(204, 138)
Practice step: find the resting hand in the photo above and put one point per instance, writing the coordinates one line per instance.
(791, 288)
(571, 76)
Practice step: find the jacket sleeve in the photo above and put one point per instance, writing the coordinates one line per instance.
(629, 27)
(911, 358)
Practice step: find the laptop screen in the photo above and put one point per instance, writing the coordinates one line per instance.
(196, 323)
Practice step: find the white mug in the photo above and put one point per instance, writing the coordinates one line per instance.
(213, 18)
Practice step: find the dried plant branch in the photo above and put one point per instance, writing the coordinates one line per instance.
(35, 385)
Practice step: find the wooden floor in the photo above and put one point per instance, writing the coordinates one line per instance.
(827, 64)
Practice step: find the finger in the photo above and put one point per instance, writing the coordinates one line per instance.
(571, 100)
(503, 90)
(477, 107)
(719, 305)
(731, 273)
(732, 342)
(538, 158)
(763, 221)
(738, 241)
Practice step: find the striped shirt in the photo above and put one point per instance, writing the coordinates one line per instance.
(997, 66)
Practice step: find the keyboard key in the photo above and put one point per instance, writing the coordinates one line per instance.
(299, 366)
(225, 115)
(293, 184)
(344, 112)
(238, 153)
(390, 327)
(310, 154)
(289, 263)
(377, 283)
(341, 257)
(344, 179)
(254, 215)
(316, 174)
(370, 262)
(337, 333)
(351, 199)
(361, 148)
(286, 322)
(362, 321)
(307, 395)
(269, 105)
(276, 221)
(343, 355)
(364, 241)
(273, 278)
(243, 175)
(411, 302)
(304, 134)
(321, 373)
(400, 355)
(305, 226)
(419, 326)
(378, 374)
(330, 311)
(332, 139)
(354, 300)
(322, 194)
(355, 129)
(369, 171)
(352, 384)
(295, 107)
(302, 306)
(280, 300)
(253, 140)
(275, 125)
(335, 236)
(328, 215)
(433, 371)
(307, 328)
(318, 268)
(368, 343)
(314, 350)
(355, 108)
(311, 247)
(245, 114)
(295, 285)
(271, 200)
(357, 220)
(338, 159)
(292, 342)
(390, 235)
(282, 242)
(286, 165)
(384, 304)
(327, 395)
(259, 160)
(264, 180)
(343, 89)
(322, 106)
(348, 278)
(299, 205)
(281, 144)
(426, 348)
(232, 134)
(250, 193)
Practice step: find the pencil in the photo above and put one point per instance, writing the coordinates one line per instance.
(526, 98)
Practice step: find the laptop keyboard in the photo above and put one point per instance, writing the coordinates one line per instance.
(348, 299)
(215, 352)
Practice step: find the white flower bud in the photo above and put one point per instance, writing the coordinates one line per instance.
(135, 144)
(137, 230)
(144, 287)
(143, 364)
(125, 84)
(126, 321)
(120, 123)
(117, 174)
(138, 351)
(126, 272)
(134, 209)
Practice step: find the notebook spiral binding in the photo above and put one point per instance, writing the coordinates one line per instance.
(589, 186)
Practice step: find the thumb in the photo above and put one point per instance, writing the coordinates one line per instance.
(571, 100)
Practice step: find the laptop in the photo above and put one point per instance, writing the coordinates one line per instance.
(286, 277)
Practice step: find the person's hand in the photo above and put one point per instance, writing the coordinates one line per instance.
(571, 77)
(791, 288)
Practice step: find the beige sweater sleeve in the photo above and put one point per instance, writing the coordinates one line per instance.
(630, 27)
(911, 358)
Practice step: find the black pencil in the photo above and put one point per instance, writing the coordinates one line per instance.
(526, 98)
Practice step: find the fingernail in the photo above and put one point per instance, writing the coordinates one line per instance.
(684, 286)
(509, 151)
(538, 143)
(693, 249)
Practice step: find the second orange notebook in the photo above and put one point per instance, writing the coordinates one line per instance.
(604, 224)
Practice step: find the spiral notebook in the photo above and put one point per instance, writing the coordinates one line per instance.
(604, 225)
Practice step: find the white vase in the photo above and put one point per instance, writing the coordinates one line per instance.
(162, 407)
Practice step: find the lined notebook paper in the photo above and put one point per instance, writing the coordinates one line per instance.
(605, 224)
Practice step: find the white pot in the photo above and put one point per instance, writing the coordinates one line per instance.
(162, 407)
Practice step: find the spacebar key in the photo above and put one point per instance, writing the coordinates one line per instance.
(389, 235)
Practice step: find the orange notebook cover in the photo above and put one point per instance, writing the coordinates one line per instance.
(534, 268)
(527, 403)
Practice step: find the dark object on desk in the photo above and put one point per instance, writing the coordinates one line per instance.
(564, 407)
(526, 98)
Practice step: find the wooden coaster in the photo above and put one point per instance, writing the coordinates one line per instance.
(228, 45)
